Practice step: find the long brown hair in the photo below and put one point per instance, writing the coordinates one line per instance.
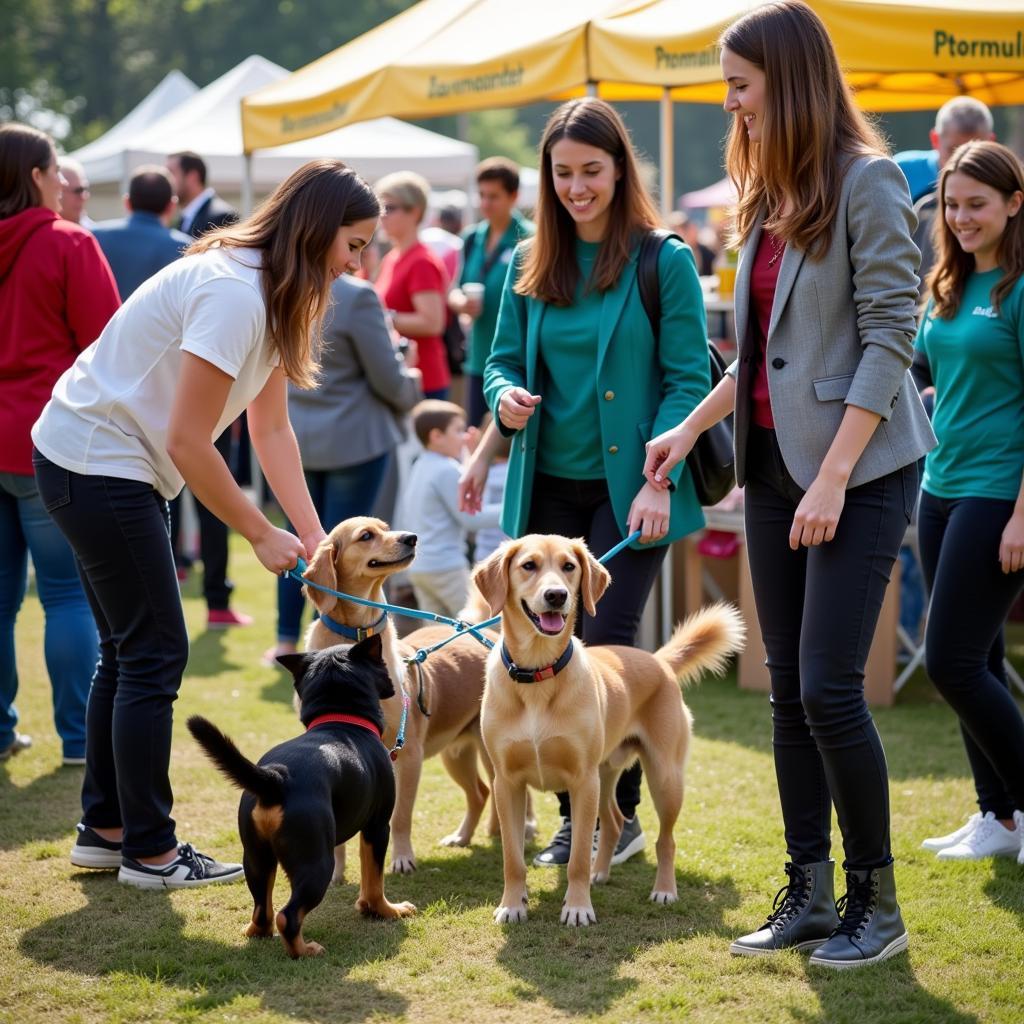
(22, 148)
(550, 272)
(998, 167)
(810, 131)
(295, 229)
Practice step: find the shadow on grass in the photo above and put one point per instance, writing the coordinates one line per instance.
(1006, 886)
(207, 656)
(920, 734)
(140, 936)
(888, 992)
(578, 971)
(47, 808)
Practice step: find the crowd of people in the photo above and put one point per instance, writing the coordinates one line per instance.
(544, 400)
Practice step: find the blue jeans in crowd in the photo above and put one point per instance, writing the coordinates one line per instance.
(69, 640)
(337, 494)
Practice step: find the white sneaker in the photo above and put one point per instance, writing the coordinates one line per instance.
(989, 839)
(937, 843)
(1018, 817)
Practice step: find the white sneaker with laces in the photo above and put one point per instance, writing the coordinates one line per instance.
(989, 839)
(937, 843)
(1018, 817)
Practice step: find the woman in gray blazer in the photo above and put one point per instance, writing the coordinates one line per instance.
(828, 430)
(347, 427)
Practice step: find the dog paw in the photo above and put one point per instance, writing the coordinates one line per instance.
(662, 897)
(530, 831)
(455, 839)
(600, 877)
(510, 915)
(578, 917)
(312, 949)
(338, 878)
(403, 864)
(255, 931)
(405, 909)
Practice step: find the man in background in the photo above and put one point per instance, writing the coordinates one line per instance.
(76, 193)
(201, 207)
(139, 245)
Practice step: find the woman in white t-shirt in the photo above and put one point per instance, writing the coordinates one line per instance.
(129, 424)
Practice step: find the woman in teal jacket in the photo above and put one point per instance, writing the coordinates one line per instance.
(578, 377)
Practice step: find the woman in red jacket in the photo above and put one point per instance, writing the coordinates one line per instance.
(56, 295)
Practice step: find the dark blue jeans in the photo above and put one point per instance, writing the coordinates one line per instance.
(970, 599)
(69, 637)
(818, 608)
(120, 532)
(337, 494)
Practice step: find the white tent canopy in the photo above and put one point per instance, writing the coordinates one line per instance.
(210, 124)
(103, 157)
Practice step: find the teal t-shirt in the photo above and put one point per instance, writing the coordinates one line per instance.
(490, 270)
(977, 366)
(569, 441)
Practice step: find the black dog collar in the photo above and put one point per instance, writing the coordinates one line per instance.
(535, 675)
(356, 633)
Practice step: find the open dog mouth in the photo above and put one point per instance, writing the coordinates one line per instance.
(548, 623)
(378, 563)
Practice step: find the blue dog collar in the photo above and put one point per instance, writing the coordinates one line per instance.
(356, 633)
(535, 675)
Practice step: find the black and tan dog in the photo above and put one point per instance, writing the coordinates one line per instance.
(310, 793)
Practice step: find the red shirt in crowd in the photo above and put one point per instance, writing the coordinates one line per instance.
(57, 293)
(402, 275)
(763, 278)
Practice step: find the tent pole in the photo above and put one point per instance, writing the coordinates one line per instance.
(246, 185)
(666, 152)
(591, 88)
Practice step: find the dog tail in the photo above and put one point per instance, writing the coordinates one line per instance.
(266, 784)
(704, 642)
(476, 608)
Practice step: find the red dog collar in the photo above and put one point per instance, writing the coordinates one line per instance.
(363, 723)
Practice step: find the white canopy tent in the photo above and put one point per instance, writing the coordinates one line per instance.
(209, 123)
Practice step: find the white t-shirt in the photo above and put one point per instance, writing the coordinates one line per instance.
(109, 412)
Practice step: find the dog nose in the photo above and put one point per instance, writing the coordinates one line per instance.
(556, 597)
(409, 539)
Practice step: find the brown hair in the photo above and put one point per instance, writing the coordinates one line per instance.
(433, 414)
(500, 169)
(994, 165)
(22, 148)
(810, 132)
(295, 229)
(189, 161)
(550, 272)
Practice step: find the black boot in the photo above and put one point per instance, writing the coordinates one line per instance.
(803, 915)
(872, 929)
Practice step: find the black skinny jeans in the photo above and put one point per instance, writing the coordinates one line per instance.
(970, 599)
(818, 608)
(582, 508)
(119, 530)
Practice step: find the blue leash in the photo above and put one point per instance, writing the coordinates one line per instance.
(421, 655)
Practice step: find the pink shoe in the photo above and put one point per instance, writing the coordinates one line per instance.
(222, 618)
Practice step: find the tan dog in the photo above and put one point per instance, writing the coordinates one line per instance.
(560, 716)
(444, 691)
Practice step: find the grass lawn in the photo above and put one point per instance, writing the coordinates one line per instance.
(76, 946)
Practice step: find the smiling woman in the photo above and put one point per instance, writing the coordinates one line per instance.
(132, 421)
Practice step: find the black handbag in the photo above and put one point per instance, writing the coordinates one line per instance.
(711, 461)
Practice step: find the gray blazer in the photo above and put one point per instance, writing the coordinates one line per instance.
(841, 333)
(354, 415)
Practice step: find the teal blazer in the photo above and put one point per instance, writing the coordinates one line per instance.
(641, 387)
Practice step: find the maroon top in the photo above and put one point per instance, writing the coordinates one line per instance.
(763, 278)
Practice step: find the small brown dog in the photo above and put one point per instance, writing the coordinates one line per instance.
(444, 691)
(560, 716)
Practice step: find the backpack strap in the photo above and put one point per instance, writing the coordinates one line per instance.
(647, 277)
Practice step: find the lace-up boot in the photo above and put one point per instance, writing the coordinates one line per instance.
(803, 914)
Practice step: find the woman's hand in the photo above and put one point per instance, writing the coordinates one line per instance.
(817, 515)
(278, 550)
(311, 541)
(471, 484)
(1011, 546)
(665, 452)
(649, 513)
(516, 407)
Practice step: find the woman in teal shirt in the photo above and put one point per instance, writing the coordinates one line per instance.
(578, 377)
(971, 522)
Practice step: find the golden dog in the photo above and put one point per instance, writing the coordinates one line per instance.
(560, 716)
(444, 691)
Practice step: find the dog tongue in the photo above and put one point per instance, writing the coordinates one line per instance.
(551, 622)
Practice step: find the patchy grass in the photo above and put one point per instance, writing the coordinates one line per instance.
(77, 947)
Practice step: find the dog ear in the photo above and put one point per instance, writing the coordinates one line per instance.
(297, 664)
(321, 570)
(370, 649)
(490, 577)
(595, 578)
